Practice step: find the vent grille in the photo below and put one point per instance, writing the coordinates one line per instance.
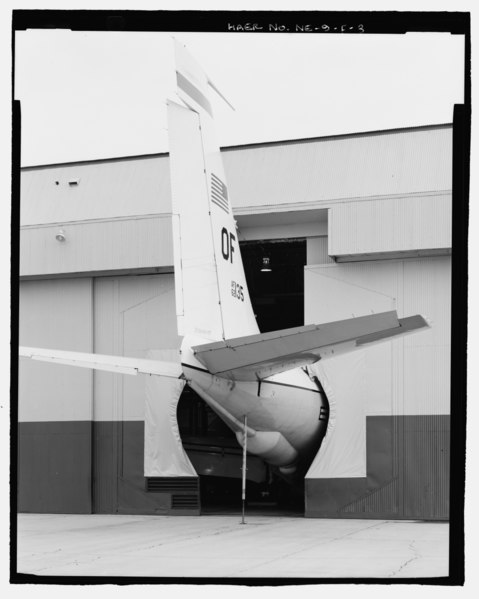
(174, 485)
(185, 502)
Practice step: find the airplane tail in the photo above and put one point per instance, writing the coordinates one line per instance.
(212, 298)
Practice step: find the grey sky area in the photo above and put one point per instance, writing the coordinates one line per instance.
(89, 95)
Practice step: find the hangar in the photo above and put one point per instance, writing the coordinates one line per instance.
(329, 228)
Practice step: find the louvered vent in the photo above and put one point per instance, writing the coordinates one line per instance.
(174, 485)
(185, 502)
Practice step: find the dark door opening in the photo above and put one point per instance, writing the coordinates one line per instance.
(275, 277)
(276, 288)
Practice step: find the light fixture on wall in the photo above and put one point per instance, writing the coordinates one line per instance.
(266, 265)
(60, 236)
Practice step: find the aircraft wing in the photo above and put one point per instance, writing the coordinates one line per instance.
(117, 364)
(256, 357)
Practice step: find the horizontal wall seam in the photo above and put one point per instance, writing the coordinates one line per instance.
(96, 220)
(330, 202)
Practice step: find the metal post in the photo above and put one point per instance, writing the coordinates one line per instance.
(243, 488)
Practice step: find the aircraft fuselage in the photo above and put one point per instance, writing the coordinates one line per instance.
(284, 412)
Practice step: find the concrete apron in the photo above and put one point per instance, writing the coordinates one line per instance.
(219, 546)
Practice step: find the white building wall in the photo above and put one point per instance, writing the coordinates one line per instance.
(322, 171)
(317, 250)
(133, 316)
(126, 187)
(142, 242)
(124, 316)
(55, 314)
(397, 225)
(427, 358)
(116, 213)
(295, 174)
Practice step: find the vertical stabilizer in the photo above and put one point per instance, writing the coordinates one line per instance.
(211, 292)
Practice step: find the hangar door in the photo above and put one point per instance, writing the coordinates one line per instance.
(55, 402)
(394, 397)
(132, 315)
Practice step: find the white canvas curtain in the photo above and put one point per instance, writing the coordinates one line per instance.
(343, 451)
(336, 292)
(164, 453)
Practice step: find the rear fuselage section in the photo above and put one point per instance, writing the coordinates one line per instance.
(284, 413)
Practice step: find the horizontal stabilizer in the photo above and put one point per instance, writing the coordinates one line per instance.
(117, 364)
(260, 356)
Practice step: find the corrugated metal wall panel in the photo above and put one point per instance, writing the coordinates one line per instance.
(384, 500)
(106, 189)
(288, 231)
(416, 486)
(384, 443)
(381, 164)
(427, 376)
(56, 314)
(96, 246)
(107, 439)
(317, 250)
(427, 380)
(132, 316)
(427, 288)
(339, 291)
(298, 172)
(393, 225)
(335, 292)
(54, 467)
(425, 483)
(405, 376)
(407, 386)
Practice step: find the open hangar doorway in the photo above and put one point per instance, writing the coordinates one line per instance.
(275, 277)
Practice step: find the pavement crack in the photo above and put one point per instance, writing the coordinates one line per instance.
(313, 544)
(416, 556)
(75, 562)
(43, 553)
(188, 538)
(353, 532)
(280, 548)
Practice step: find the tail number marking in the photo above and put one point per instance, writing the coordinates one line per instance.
(227, 247)
(237, 290)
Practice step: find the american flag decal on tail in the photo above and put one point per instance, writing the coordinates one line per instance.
(219, 193)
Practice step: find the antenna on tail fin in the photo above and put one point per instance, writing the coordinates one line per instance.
(190, 70)
(220, 94)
